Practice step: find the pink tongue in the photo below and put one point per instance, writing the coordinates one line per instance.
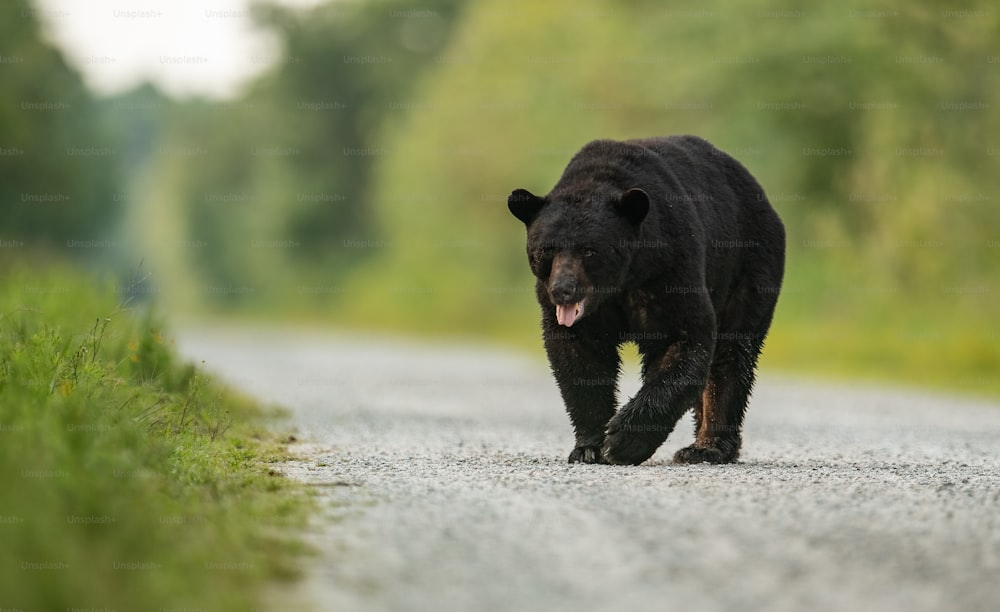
(566, 315)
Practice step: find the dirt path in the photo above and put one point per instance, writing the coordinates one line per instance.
(444, 467)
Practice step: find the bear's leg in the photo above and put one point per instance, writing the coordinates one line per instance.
(723, 404)
(671, 386)
(587, 376)
(724, 400)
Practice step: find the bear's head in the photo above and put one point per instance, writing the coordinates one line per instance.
(580, 248)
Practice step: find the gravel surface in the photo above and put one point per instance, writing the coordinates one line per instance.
(443, 469)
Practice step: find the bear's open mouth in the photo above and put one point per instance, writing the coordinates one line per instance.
(567, 314)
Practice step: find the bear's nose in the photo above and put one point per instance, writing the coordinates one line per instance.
(564, 292)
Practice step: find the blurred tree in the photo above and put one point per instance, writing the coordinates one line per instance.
(57, 166)
(280, 199)
(346, 67)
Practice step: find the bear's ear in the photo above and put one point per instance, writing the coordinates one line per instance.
(524, 205)
(633, 205)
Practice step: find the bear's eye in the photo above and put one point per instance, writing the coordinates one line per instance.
(589, 252)
(540, 256)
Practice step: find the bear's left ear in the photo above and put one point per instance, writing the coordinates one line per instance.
(524, 205)
(633, 205)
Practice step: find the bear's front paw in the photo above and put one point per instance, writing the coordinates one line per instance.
(625, 447)
(705, 454)
(590, 453)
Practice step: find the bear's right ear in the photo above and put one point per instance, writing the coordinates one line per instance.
(524, 205)
(634, 205)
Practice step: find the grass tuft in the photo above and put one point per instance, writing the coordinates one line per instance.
(130, 480)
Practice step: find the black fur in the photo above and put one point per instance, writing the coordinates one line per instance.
(669, 243)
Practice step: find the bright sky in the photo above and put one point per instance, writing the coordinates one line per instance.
(187, 47)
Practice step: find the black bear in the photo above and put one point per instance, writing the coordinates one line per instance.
(671, 244)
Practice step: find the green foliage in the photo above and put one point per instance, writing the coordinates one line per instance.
(267, 207)
(129, 481)
(57, 167)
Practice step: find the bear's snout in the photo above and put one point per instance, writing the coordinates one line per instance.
(564, 292)
(568, 287)
(567, 282)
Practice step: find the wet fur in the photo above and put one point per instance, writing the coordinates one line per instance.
(691, 276)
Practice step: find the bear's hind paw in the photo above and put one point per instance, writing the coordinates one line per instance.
(587, 454)
(704, 454)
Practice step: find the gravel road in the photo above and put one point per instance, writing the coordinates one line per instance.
(444, 470)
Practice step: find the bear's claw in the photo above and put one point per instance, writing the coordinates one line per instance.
(586, 454)
(704, 454)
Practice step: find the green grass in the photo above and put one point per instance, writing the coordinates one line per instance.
(129, 480)
(956, 356)
(838, 320)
